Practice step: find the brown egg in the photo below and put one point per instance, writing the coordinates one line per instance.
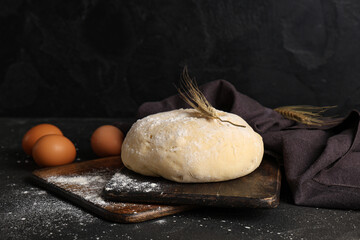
(106, 141)
(37, 132)
(53, 150)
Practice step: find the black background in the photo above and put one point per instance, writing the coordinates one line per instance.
(103, 58)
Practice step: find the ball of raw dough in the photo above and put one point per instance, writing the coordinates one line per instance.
(183, 146)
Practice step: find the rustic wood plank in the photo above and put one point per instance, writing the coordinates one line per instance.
(88, 196)
(260, 189)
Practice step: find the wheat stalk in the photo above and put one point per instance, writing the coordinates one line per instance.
(192, 95)
(309, 115)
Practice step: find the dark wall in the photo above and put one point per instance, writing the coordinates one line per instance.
(103, 58)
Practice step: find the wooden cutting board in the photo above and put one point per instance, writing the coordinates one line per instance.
(82, 183)
(260, 189)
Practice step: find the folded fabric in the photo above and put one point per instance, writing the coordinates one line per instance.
(322, 164)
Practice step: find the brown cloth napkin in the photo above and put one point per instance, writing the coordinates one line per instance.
(322, 165)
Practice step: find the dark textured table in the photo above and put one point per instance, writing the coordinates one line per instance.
(29, 212)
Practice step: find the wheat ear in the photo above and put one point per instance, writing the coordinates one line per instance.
(309, 115)
(192, 95)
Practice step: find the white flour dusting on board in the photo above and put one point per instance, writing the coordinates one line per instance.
(124, 182)
(80, 180)
(87, 186)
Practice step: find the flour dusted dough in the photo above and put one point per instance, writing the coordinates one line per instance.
(182, 146)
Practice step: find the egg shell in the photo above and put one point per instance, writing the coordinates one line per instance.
(107, 141)
(53, 150)
(35, 133)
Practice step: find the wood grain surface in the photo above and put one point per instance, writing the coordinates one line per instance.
(88, 196)
(260, 189)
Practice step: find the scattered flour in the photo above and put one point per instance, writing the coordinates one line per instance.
(35, 213)
(124, 182)
(87, 186)
(90, 186)
(80, 180)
